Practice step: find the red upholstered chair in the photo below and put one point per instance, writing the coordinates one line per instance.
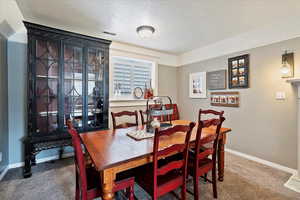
(163, 177)
(214, 113)
(199, 162)
(87, 178)
(210, 112)
(124, 113)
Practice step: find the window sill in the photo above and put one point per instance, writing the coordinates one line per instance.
(127, 102)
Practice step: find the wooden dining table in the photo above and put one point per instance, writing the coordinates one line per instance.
(113, 151)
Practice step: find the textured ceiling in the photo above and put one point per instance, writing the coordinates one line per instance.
(181, 25)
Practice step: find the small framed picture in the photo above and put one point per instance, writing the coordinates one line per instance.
(238, 72)
(241, 71)
(241, 80)
(234, 72)
(241, 62)
(226, 99)
(234, 64)
(235, 81)
(198, 85)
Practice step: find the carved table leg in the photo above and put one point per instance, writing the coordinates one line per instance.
(108, 180)
(33, 160)
(221, 157)
(27, 167)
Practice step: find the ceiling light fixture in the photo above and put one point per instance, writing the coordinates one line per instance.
(145, 31)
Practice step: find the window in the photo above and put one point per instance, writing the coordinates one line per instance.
(130, 73)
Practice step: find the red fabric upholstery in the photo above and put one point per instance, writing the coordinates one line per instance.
(88, 185)
(164, 176)
(199, 163)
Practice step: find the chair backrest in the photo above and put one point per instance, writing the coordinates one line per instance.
(210, 112)
(180, 164)
(217, 122)
(79, 160)
(124, 113)
(143, 118)
(174, 116)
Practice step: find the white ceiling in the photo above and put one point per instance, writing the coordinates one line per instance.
(181, 25)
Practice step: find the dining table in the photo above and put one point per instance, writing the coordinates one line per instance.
(113, 151)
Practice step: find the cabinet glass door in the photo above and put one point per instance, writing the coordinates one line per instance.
(46, 76)
(95, 98)
(73, 85)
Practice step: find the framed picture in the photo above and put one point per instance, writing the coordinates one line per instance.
(216, 80)
(225, 99)
(198, 85)
(238, 71)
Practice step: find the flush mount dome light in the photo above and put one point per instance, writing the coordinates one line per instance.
(145, 31)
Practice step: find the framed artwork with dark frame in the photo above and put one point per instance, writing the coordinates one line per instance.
(238, 71)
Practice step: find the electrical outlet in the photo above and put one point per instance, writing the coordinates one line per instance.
(0, 156)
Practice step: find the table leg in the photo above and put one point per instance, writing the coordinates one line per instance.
(221, 157)
(108, 180)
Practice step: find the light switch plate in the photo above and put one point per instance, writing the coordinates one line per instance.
(280, 95)
(0, 156)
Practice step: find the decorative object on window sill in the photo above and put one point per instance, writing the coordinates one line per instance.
(238, 71)
(145, 31)
(148, 93)
(216, 80)
(156, 109)
(287, 67)
(198, 85)
(138, 93)
(225, 99)
(117, 90)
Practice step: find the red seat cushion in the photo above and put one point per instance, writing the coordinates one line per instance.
(172, 179)
(205, 165)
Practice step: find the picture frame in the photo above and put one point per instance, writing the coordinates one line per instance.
(197, 85)
(238, 72)
(216, 80)
(225, 99)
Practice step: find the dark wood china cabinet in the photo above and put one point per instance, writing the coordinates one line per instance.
(67, 79)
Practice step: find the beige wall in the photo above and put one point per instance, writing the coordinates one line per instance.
(167, 82)
(167, 86)
(262, 126)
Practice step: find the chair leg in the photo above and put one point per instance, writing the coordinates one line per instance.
(196, 189)
(205, 177)
(183, 191)
(77, 192)
(214, 182)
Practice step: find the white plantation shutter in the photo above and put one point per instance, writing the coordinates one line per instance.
(129, 74)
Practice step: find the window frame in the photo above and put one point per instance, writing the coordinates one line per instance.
(130, 100)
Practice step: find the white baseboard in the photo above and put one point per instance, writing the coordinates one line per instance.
(4, 172)
(264, 162)
(41, 160)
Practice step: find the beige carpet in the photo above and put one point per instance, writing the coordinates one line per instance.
(244, 180)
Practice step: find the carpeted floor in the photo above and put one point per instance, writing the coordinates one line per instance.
(244, 180)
